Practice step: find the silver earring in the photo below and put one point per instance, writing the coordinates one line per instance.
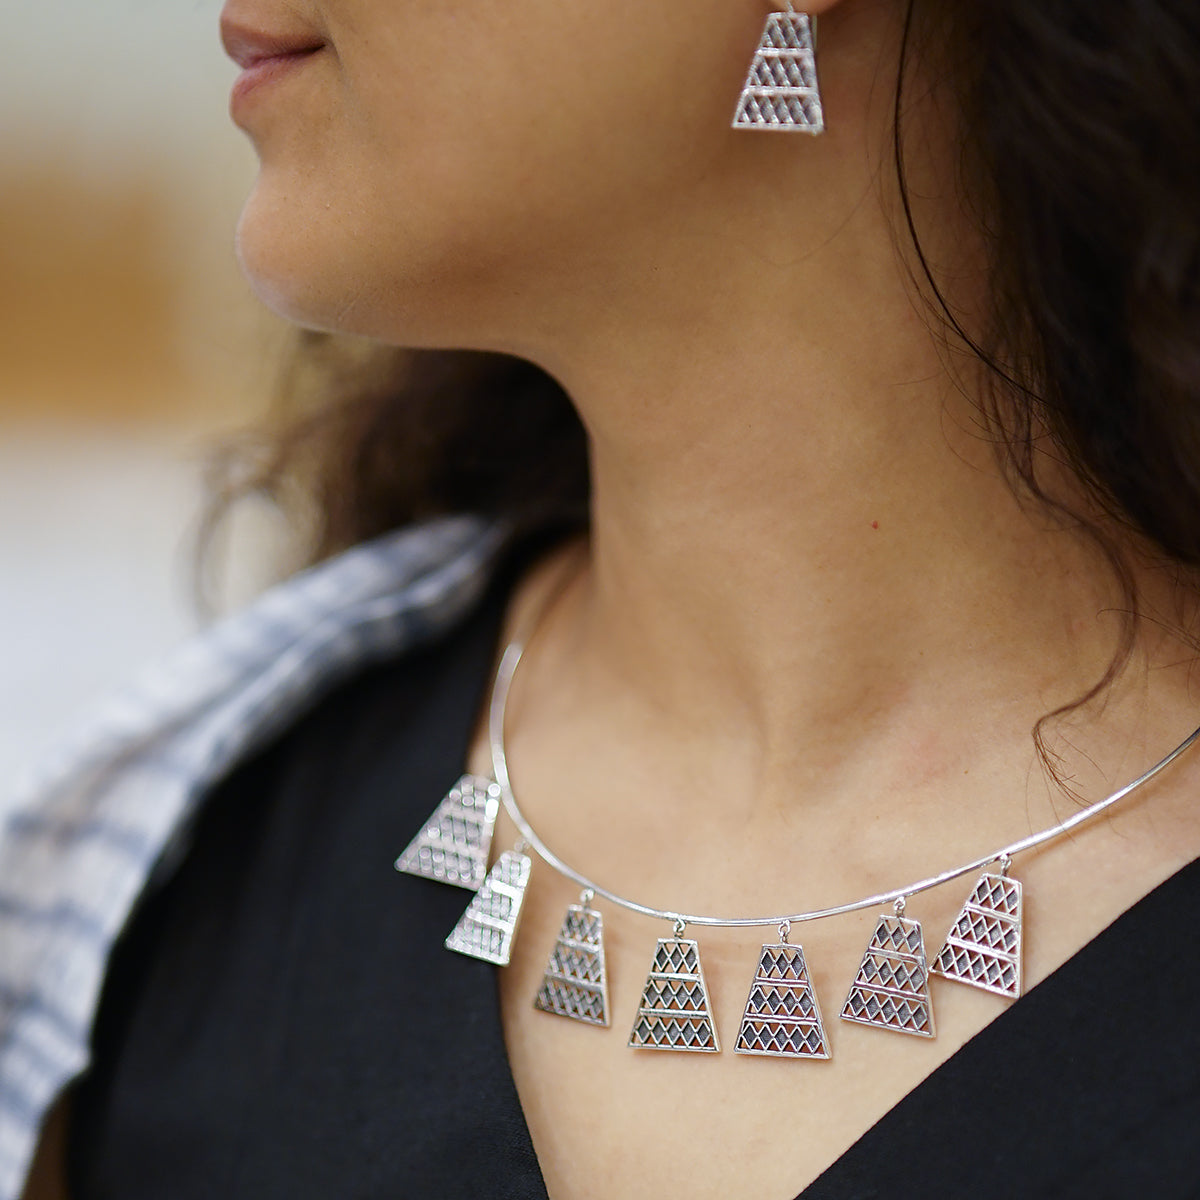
(781, 89)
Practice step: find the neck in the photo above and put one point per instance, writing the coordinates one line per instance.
(802, 539)
(828, 556)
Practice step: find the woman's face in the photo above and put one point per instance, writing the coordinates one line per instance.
(431, 159)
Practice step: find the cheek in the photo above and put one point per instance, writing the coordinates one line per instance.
(418, 167)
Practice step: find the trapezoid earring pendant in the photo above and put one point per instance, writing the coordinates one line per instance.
(454, 844)
(782, 1018)
(781, 91)
(983, 947)
(675, 1013)
(576, 983)
(488, 928)
(891, 990)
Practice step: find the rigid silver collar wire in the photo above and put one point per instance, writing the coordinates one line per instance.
(496, 712)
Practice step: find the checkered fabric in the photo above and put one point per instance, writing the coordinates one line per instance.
(109, 813)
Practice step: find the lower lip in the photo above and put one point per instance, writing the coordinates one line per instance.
(267, 70)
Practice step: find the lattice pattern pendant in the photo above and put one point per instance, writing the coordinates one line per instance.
(782, 1018)
(576, 983)
(781, 90)
(675, 1013)
(454, 845)
(984, 946)
(891, 990)
(488, 928)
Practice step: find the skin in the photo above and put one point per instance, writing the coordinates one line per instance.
(812, 628)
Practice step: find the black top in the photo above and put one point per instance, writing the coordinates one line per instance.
(281, 1020)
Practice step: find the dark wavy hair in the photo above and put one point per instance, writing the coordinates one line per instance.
(1080, 155)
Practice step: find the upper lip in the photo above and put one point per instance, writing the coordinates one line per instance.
(248, 45)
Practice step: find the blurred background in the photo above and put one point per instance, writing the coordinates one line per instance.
(128, 343)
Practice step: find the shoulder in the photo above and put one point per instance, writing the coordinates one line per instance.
(84, 832)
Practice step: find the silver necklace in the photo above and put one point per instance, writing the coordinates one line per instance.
(782, 1017)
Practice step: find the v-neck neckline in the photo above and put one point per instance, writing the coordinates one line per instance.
(1059, 989)
(1059, 993)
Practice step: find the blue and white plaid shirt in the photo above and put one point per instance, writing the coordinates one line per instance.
(111, 810)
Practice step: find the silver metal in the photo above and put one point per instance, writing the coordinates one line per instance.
(488, 928)
(674, 1013)
(496, 713)
(891, 990)
(454, 844)
(782, 92)
(983, 947)
(782, 1018)
(576, 981)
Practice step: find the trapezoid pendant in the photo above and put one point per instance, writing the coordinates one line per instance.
(675, 1013)
(983, 947)
(488, 928)
(576, 983)
(891, 990)
(782, 1018)
(781, 89)
(454, 844)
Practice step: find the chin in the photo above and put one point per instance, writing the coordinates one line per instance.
(317, 272)
(285, 269)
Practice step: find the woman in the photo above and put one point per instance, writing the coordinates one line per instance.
(891, 438)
